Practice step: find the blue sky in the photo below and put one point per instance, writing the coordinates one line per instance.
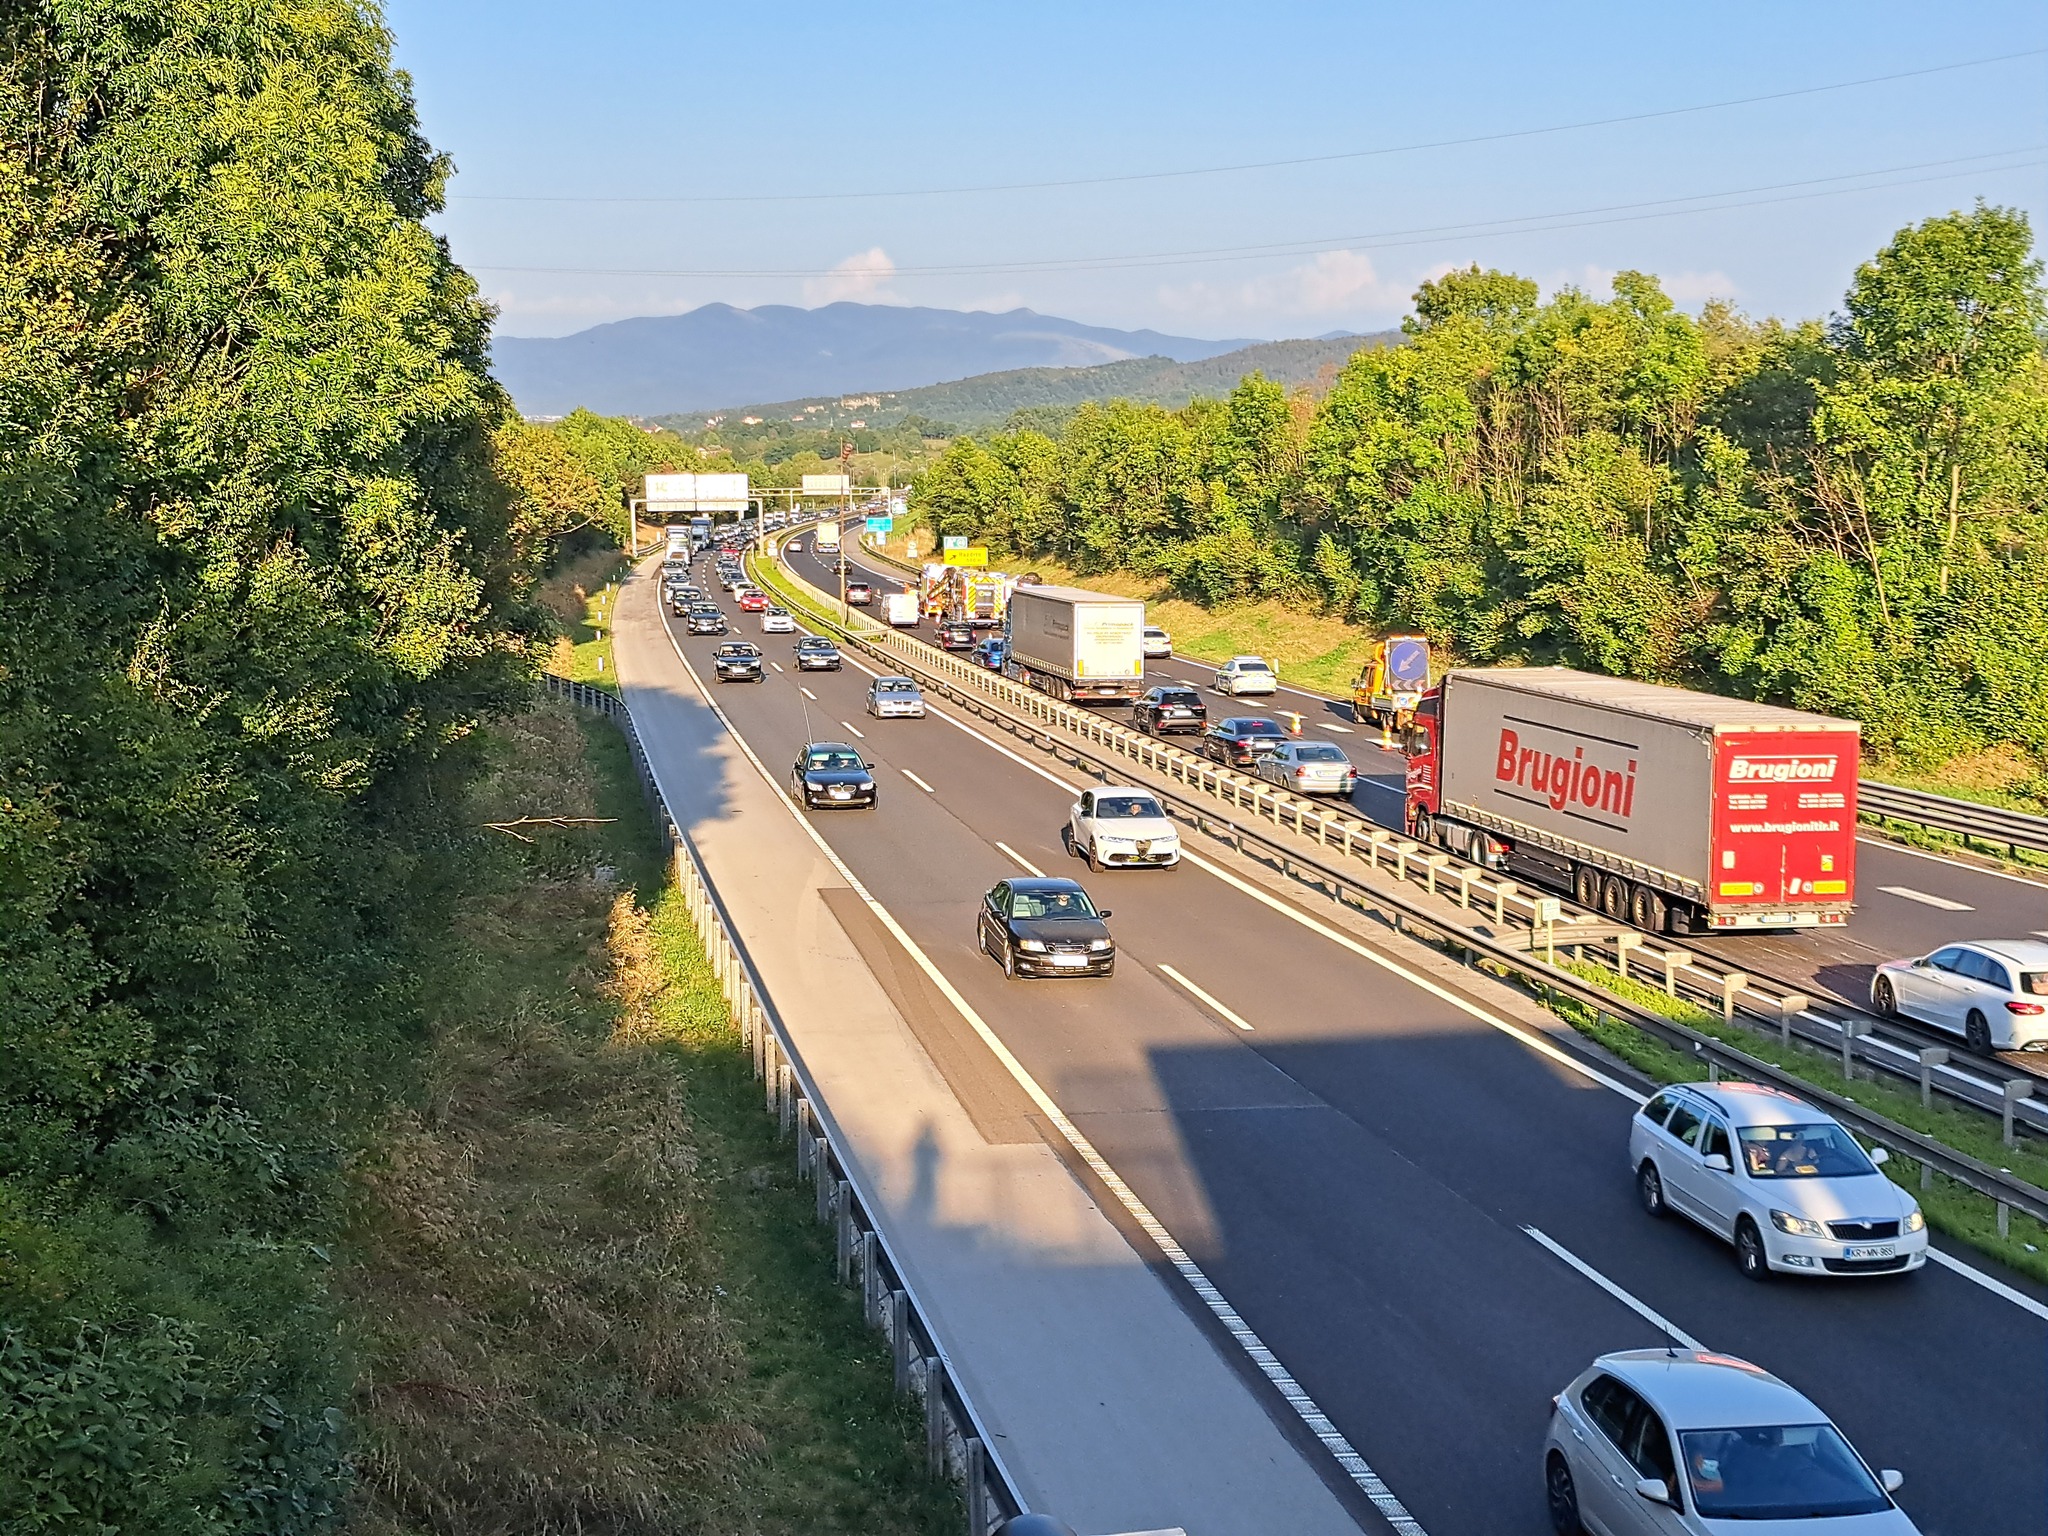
(778, 103)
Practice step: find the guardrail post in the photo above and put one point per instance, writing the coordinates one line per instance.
(977, 1489)
(1623, 943)
(935, 1416)
(842, 1204)
(1851, 1029)
(1430, 866)
(899, 1338)
(771, 1076)
(1731, 984)
(2016, 1088)
(1790, 1004)
(1501, 893)
(1934, 1056)
(1674, 961)
(785, 1087)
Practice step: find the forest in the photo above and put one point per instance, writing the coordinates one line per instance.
(1845, 514)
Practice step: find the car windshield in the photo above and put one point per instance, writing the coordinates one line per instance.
(1127, 806)
(1778, 1472)
(1051, 904)
(1318, 752)
(895, 685)
(836, 757)
(1822, 1151)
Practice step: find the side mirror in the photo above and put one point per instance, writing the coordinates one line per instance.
(1892, 1479)
(1718, 1161)
(1921, 964)
(1879, 1156)
(1104, 913)
(1655, 1489)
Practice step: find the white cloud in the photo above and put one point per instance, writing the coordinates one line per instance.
(862, 275)
(1333, 286)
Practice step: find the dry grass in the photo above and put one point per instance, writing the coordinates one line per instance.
(580, 596)
(589, 1293)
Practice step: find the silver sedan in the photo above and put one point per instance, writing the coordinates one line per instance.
(1310, 768)
(893, 697)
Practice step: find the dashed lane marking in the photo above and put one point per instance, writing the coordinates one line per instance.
(1635, 1304)
(1908, 893)
(863, 735)
(920, 783)
(1013, 853)
(1168, 970)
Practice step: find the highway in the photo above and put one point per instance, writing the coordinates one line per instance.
(1361, 1172)
(1907, 902)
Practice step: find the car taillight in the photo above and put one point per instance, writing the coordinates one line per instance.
(1301, 773)
(2025, 1008)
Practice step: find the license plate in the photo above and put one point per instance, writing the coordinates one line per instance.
(840, 794)
(1069, 959)
(1874, 1251)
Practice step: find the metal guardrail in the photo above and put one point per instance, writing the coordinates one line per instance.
(1678, 973)
(1965, 818)
(957, 1446)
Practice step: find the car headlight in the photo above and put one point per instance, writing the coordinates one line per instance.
(1917, 1221)
(1034, 946)
(1113, 840)
(1797, 1226)
(1098, 944)
(865, 785)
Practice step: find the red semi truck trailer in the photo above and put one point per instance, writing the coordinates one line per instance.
(1678, 812)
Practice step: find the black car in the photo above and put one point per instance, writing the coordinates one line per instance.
(859, 594)
(831, 773)
(958, 635)
(814, 653)
(1045, 927)
(738, 661)
(706, 621)
(1242, 740)
(1163, 711)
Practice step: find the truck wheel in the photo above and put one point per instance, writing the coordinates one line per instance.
(1614, 898)
(1646, 909)
(1425, 827)
(1586, 886)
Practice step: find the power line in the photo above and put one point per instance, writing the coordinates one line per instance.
(1269, 165)
(1535, 223)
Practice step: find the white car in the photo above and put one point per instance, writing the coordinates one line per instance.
(1157, 643)
(1785, 1183)
(1992, 992)
(1243, 675)
(776, 621)
(1679, 1442)
(893, 697)
(1114, 826)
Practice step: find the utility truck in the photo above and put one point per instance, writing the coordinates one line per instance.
(1075, 644)
(1675, 811)
(1391, 683)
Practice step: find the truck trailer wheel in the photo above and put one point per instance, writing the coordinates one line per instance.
(1586, 886)
(1646, 909)
(1614, 898)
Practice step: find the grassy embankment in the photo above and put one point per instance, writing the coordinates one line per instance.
(587, 1288)
(581, 595)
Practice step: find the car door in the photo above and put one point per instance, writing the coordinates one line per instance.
(1081, 820)
(1981, 985)
(995, 936)
(1646, 1448)
(1716, 1192)
(1940, 990)
(1601, 1472)
(1677, 1143)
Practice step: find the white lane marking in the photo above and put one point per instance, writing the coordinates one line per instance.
(800, 688)
(1925, 900)
(1341, 730)
(920, 783)
(1951, 864)
(1642, 1309)
(2041, 933)
(863, 735)
(1977, 1276)
(1535, 1042)
(1464, 1005)
(1205, 997)
(1013, 853)
(1332, 1439)
(776, 665)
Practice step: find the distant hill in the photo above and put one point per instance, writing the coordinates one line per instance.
(715, 354)
(988, 399)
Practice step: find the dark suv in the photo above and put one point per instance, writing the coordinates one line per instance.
(1163, 711)
(1242, 740)
(957, 635)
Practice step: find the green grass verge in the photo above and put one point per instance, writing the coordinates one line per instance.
(1952, 1208)
(587, 1286)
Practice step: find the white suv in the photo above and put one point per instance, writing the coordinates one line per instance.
(1992, 992)
(1783, 1182)
(1120, 826)
(1671, 1442)
(1242, 675)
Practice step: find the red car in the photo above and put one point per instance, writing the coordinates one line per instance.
(754, 601)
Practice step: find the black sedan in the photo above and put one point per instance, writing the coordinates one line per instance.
(738, 662)
(1044, 927)
(1242, 740)
(831, 773)
(706, 621)
(814, 653)
(1163, 711)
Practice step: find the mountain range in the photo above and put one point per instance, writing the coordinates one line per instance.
(717, 354)
(984, 400)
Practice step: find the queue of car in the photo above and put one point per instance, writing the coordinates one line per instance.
(1643, 1441)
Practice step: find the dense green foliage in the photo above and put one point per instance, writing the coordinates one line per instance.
(1846, 517)
(259, 577)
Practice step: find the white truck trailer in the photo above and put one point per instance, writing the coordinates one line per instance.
(1075, 644)
(1676, 811)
